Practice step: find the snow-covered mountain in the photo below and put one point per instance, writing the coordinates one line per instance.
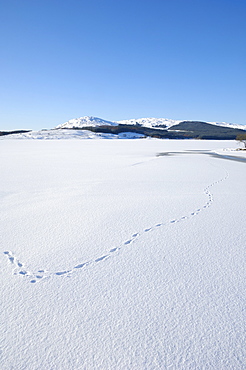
(229, 125)
(161, 123)
(86, 122)
(150, 122)
(162, 128)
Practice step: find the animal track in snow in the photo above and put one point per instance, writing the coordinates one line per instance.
(128, 242)
(23, 272)
(114, 250)
(101, 258)
(41, 274)
(80, 266)
(62, 272)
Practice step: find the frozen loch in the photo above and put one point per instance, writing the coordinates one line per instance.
(122, 254)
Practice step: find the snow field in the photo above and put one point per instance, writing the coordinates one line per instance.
(132, 261)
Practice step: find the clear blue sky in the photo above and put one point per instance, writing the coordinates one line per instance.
(120, 59)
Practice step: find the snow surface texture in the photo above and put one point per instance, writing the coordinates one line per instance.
(122, 254)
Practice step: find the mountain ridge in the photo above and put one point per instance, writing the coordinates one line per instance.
(161, 128)
(89, 127)
(91, 121)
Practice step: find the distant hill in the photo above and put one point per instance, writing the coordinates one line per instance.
(162, 128)
(3, 133)
(158, 127)
(207, 131)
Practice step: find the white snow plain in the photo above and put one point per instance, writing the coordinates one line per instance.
(113, 257)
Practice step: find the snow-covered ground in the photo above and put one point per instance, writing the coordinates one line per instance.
(116, 257)
(57, 134)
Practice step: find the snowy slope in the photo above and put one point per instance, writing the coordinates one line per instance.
(115, 258)
(151, 122)
(229, 125)
(86, 122)
(58, 134)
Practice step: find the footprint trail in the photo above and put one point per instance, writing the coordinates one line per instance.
(42, 274)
